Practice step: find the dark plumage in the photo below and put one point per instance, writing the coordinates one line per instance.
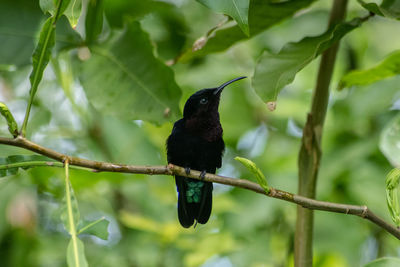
(196, 143)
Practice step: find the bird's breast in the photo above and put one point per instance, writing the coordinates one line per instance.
(207, 130)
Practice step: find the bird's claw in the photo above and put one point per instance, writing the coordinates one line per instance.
(203, 174)
(187, 170)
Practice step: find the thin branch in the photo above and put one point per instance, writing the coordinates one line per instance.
(98, 166)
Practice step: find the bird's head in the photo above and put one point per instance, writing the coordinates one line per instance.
(205, 102)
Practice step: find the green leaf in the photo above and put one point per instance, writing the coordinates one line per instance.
(388, 8)
(94, 20)
(98, 228)
(73, 12)
(389, 141)
(262, 15)
(389, 67)
(55, 7)
(392, 182)
(117, 11)
(122, 77)
(19, 21)
(237, 9)
(274, 71)
(41, 55)
(251, 166)
(11, 164)
(384, 262)
(76, 253)
(12, 124)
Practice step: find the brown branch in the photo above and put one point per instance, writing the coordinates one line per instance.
(98, 166)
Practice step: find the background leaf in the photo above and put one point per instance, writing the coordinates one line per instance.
(384, 262)
(262, 15)
(389, 67)
(94, 20)
(147, 89)
(19, 22)
(237, 9)
(389, 141)
(97, 228)
(388, 8)
(274, 71)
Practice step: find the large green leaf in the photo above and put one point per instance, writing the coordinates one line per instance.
(122, 77)
(262, 15)
(384, 262)
(237, 9)
(388, 8)
(389, 67)
(389, 141)
(274, 71)
(11, 164)
(19, 22)
(118, 10)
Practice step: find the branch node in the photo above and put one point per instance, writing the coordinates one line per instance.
(170, 168)
(364, 212)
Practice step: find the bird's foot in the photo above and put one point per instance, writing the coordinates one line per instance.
(203, 174)
(187, 170)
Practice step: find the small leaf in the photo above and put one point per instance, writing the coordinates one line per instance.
(73, 12)
(76, 253)
(390, 140)
(133, 83)
(97, 228)
(237, 9)
(384, 262)
(389, 67)
(12, 124)
(392, 182)
(251, 166)
(274, 71)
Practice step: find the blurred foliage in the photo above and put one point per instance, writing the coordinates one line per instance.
(129, 63)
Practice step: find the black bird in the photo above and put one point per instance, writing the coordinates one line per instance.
(196, 143)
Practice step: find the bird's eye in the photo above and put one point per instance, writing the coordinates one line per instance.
(203, 101)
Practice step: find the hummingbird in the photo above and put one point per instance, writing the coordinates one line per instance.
(196, 143)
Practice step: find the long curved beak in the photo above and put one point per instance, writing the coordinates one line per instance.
(219, 89)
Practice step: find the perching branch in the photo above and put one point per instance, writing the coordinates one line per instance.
(98, 166)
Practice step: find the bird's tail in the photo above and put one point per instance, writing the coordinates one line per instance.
(194, 201)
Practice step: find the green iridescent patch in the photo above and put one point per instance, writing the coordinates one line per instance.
(193, 193)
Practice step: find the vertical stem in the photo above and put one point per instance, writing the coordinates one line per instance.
(310, 151)
(72, 227)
